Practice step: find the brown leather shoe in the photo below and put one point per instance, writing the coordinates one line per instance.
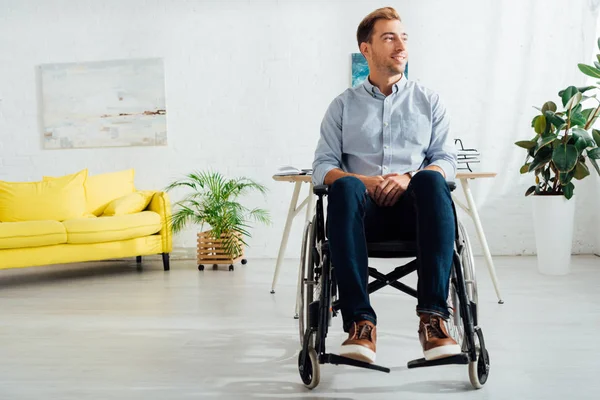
(435, 339)
(360, 344)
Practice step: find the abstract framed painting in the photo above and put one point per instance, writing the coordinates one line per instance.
(360, 69)
(114, 103)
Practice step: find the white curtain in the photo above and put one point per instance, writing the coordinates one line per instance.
(519, 54)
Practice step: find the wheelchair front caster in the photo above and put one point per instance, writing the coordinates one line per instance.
(479, 369)
(231, 267)
(309, 369)
(200, 267)
(215, 267)
(244, 261)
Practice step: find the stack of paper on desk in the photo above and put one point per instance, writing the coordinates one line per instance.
(289, 170)
(466, 156)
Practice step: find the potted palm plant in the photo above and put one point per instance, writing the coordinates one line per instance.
(212, 200)
(558, 155)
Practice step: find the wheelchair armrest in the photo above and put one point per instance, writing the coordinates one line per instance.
(320, 190)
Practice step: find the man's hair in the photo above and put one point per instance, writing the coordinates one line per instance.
(365, 28)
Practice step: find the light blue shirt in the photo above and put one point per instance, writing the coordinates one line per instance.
(364, 132)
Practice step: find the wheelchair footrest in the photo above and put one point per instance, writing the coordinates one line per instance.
(340, 360)
(462, 358)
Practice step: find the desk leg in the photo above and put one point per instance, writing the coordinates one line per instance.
(286, 232)
(486, 251)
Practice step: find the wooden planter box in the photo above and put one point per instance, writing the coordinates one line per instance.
(211, 251)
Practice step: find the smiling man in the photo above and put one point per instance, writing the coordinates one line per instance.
(387, 155)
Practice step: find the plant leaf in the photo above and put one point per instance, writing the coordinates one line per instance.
(568, 93)
(583, 134)
(565, 177)
(578, 119)
(596, 136)
(540, 124)
(565, 157)
(581, 89)
(568, 190)
(594, 153)
(581, 144)
(541, 158)
(525, 168)
(545, 141)
(595, 165)
(526, 144)
(581, 171)
(546, 174)
(554, 119)
(574, 101)
(530, 190)
(589, 70)
(549, 105)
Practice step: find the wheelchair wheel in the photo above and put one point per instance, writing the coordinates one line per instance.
(480, 368)
(310, 286)
(455, 323)
(306, 276)
(468, 264)
(309, 368)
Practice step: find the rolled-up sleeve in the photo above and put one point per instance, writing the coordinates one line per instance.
(442, 150)
(328, 154)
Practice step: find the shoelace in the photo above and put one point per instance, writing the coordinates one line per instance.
(364, 332)
(433, 329)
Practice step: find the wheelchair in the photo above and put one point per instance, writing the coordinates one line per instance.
(318, 303)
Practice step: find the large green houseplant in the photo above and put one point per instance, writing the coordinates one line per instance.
(564, 147)
(212, 200)
(564, 139)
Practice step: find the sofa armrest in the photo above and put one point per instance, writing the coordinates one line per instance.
(161, 204)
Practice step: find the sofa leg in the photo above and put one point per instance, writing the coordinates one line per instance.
(165, 257)
(138, 259)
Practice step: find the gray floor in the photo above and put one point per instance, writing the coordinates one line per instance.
(108, 331)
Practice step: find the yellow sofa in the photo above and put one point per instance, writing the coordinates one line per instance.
(77, 218)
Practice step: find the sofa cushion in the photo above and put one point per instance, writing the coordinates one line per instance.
(31, 234)
(101, 189)
(129, 204)
(108, 229)
(59, 199)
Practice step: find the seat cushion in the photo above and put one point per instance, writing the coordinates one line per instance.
(60, 199)
(395, 248)
(31, 234)
(109, 229)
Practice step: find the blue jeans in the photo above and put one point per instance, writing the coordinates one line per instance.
(423, 213)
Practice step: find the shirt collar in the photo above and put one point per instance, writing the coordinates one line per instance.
(374, 90)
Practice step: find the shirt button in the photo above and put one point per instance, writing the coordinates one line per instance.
(385, 124)
(384, 167)
(386, 146)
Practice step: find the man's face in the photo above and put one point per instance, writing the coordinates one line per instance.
(387, 51)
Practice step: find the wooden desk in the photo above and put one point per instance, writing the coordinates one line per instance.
(469, 208)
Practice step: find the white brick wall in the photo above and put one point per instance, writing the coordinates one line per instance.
(247, 83)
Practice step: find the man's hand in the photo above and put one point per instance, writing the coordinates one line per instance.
(388, 191)
(372, 182)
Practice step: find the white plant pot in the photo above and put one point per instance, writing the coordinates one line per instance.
(553, 218)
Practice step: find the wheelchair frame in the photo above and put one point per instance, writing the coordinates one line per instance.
(315, 316)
